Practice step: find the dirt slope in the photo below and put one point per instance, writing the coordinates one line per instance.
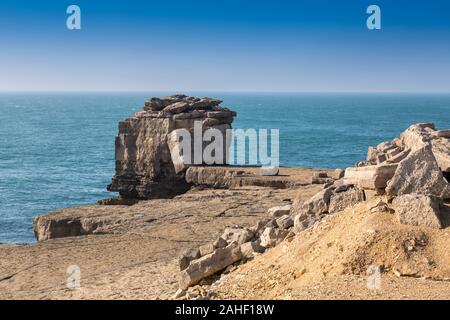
(331, 260)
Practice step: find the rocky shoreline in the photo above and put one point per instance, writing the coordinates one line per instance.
(131, 252)
(178, 225)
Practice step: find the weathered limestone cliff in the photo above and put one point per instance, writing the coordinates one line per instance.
(149, 162)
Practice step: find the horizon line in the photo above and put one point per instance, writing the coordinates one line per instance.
(224, 91)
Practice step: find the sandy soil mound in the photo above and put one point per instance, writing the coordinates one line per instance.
(337, 257)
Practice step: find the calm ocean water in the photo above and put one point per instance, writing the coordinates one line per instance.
(57, 150)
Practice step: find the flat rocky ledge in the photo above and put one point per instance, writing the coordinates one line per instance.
(216, 191)
(132, 251)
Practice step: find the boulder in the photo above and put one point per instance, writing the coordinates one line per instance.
(206, 249)
(46, 227)
(220, 243)
(386, 146)
(302, 222)
(269, 171)
(419, 173)
(259, 227)
(418, 135)
(418, 210)
(238, 235)
(279, 211)
(187, 256)
(249, 249)
(284, 222)
(177, 107)
(214, 177)
(372, 154)
(348, 198)
(318, 204)
(441, 151)
(209, 265)
(399, 157)
(370, 177)
(271, 237)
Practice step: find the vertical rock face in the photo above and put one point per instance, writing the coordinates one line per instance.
(149, 158)
(418, 210)
(419, 173)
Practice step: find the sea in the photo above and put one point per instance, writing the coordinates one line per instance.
(57, 149)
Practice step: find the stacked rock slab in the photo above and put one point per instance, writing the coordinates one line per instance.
(413, 170)
(148, 159)
(412, 139)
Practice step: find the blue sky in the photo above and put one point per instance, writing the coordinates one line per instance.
(304, 46)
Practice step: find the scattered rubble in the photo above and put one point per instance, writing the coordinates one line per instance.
(209, 264)
(405, 169)
(412, 170)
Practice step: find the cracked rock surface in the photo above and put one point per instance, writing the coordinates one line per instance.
(131, 252)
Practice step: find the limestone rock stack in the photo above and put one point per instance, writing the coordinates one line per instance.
(149, 162)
